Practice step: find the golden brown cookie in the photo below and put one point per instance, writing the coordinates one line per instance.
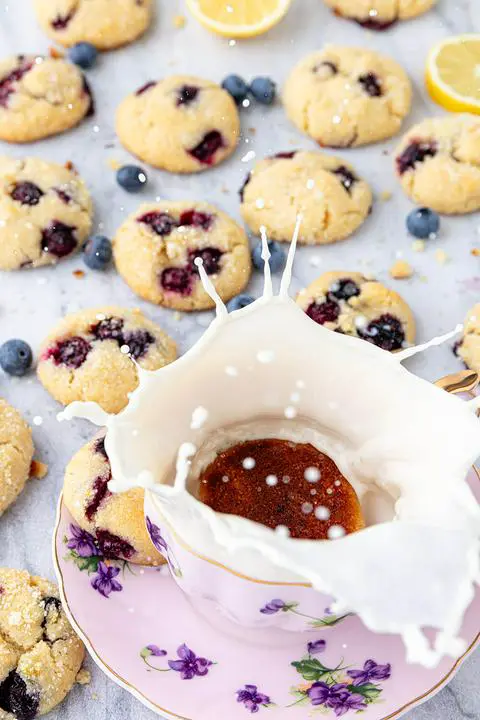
(379, 14)
(468, 349)
(16, 453)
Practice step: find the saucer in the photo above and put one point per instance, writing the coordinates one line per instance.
(146, 636)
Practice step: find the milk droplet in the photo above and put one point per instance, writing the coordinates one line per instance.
(290, 412)
(286, 479)
(335, 532)
(337, 483)
(329, 491)
(37, 420)
(250, 155)
(199, 417)
(248, 463)
(283, 531)
(322, 512)
(225, 478)
(307, 508)
(125, 349)
(260, 203)
(271, 480)
(310, 184)
(312, 474)
(265, 356)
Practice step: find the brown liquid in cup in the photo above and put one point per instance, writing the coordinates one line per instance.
(228, 487)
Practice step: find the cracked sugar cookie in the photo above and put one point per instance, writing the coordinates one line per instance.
(40, 97)
(333, 200)
(347, 96)
(102, 23)
(16, 454)
(438, 164)
(88, 355)
(349, 303)
(468, 348)
(46, 213)
(156, 247)
(40, 655)
(183, 124)
(379, 14)
(115, 520)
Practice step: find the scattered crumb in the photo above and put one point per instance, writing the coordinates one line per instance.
(385, 152)
(38, 470)
(54, 53)
(177, 316)
(78, 273)
(423, 278)
(113, 164)
(83, 677)
(70, 166)
(401, 270)
(179, 21)
(252, 130)
(475, 252)
(441, 257)
(418, 245)
(94, 696)
(225, 190)
(386, 195)
(109, 146)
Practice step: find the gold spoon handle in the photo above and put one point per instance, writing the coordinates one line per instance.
(465, 381)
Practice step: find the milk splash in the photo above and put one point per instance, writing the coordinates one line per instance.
(391, 434)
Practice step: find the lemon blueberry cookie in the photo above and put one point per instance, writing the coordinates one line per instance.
(349, 303)
(347, 96)
(468, 348)
(333, 200)
(46, 213)
(438, 164)
(156, 247)
(88, 355)
(115, 520)
(16, 453)
(379, 14)
(106, 24)
(183, 124)
(40, 655)
(40, 97)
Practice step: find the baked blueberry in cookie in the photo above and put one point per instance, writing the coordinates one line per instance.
(379, 14)
(332, 199)
(115, 520)
(156, 248)
(349, 303)
(40, 97)
(89, 355)
(347, 96)
(40, 655)
(183, 124)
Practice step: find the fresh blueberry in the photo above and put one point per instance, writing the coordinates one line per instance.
(239, 302)
(97, 253)
(423, 223)
(83, 54)
(15, 357)
(237, 87)
(263, 90)
(131, 178)
(277, 257)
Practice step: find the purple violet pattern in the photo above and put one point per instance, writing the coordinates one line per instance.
(104, 581)
(252, 699)
(156, 651)
(316, 647)
(372, 672)
(273, 607)
(336, 697)
(188, 664)
(82, 542)
(156, 537)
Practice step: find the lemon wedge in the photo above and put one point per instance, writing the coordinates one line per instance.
(238, 18)
(453, 73)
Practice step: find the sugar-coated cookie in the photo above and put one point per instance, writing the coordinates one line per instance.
(349, 303)
(40, 97)
(183, 124)
(468, 349)
(156, 247)
(438, 163)
(88, 355)
(347, 96)
(40, 655)
(106, 24)
(333, 200)
(16, 454)
(379, 14)
(46, 213)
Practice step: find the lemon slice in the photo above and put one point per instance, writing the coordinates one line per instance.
(453, 73)
(238, 18)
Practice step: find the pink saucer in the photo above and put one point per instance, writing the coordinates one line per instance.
(144, 634)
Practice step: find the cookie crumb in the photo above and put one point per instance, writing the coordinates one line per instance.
(179, 21)
(386, 195)
(418, 245)
(78, 273)
(441, 257)
(55, 54)
(38, 470)
(70, 166)
(84, 677)
(475, 252)
(177, 316)
(252, 130)
(401, 270)
(113, 164)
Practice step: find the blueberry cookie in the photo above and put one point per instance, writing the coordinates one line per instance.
(46, 213)
(325, 189)
(182, 124)
(438, 164)
(349, 303)
(347, 96)
(106, 24)
(40, 97)
(156, 247)
(468, 349)
(16, 453)
(40, 655)
(115, 520)
(379, 14)
(88, 355)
